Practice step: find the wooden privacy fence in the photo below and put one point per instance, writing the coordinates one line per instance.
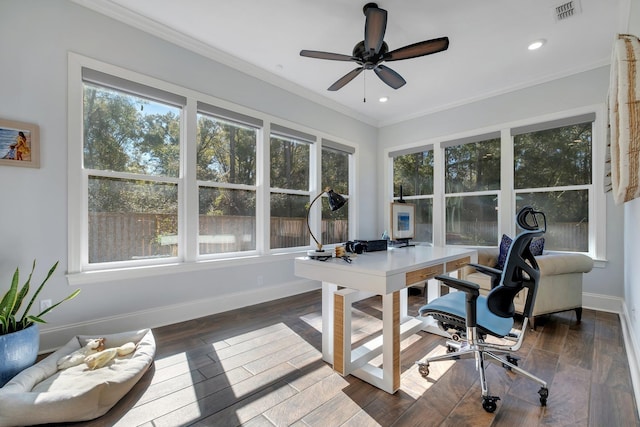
(126, 236)
(560, 236)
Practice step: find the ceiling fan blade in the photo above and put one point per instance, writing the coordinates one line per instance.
(418, 49)
(345, 79)
(326, 55)
(389, 76)
(374, 28)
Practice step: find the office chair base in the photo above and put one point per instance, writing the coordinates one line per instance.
(463, 350)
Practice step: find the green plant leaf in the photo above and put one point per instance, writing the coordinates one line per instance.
(72, 296)
(23, 291)
(35, 295)
(33, 319)
(9, 299)
(13, 299)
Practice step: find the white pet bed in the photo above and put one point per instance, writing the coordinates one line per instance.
(43, 394)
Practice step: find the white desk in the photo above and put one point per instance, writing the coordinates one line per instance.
(387, 273)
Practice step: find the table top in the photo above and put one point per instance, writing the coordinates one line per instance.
(381, 271)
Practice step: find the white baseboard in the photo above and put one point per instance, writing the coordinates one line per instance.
(633, 351)
(53, 338)
(602, 302)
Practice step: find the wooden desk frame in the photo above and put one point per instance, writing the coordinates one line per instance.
(385, 273)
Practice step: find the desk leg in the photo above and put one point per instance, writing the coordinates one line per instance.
(391, 341)
(328, 290)
(341, 334)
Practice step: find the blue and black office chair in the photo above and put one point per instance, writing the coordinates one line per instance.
(470, 317)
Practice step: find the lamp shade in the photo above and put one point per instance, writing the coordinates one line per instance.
(336, 201)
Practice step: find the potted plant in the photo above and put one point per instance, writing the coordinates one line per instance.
(19, 337)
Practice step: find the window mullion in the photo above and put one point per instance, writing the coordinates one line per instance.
(506, 197)
(315, 180)
(132, 176)
(188, 192)
(439, 203)
(212, 184)
(263, 199)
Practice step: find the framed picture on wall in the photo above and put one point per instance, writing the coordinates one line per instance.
(19, 144)
(403, 221)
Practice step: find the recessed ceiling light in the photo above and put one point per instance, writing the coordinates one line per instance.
(383, 99)
(537, 44)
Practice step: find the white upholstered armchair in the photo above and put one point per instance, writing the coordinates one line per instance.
(560, 287)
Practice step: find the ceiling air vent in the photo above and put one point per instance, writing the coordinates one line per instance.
(567, 10)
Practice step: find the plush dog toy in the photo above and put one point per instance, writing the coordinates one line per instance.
(77, 357)
(102, 358)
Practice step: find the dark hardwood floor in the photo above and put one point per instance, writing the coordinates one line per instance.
(262, 366)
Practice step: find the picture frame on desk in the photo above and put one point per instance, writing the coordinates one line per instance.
(403, 221)
(19, 144)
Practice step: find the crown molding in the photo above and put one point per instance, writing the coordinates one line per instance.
(143, 23)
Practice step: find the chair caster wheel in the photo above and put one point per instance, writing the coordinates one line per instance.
(513, 360)
(423, 368)
(489, 403)
(544, 394)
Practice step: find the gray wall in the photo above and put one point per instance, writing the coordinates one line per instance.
(632, 234)
(35, 37)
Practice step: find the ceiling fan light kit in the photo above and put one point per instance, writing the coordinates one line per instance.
(373, 50)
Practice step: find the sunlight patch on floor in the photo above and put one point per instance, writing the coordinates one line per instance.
(420, 384)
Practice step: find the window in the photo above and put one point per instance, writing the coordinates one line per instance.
(413, 178)
(163, 175)
(472, 186)
(553, 172)
(336, 159)
(480, 182)
(226, 174)
(289, 169)
(132, 165)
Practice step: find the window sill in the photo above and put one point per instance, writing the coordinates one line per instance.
(101, 276)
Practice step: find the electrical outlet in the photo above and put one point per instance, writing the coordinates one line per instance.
(44, 304)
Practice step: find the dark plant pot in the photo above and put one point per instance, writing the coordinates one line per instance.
(18, 351)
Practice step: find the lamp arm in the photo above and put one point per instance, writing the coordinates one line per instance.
(318, 244)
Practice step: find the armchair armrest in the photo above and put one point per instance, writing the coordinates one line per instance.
(552, 264)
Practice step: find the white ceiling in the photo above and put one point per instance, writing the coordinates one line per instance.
(487, 54)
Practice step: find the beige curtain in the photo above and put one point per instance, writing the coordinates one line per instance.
(624, 120)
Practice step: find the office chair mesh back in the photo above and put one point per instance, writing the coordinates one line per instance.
(521, 270)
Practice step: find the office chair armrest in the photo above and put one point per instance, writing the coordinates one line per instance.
(470, 288)
(472, 291)
(489, 271)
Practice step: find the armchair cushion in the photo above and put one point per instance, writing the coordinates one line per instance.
(536, 246)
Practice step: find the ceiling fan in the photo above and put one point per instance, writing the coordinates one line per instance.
(372, 51)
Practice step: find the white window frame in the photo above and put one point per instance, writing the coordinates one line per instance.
(506, 194)
(330, 144)
(480, 137)
(415, 150)
(238, 120)
(293, 134)
(80, 272)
